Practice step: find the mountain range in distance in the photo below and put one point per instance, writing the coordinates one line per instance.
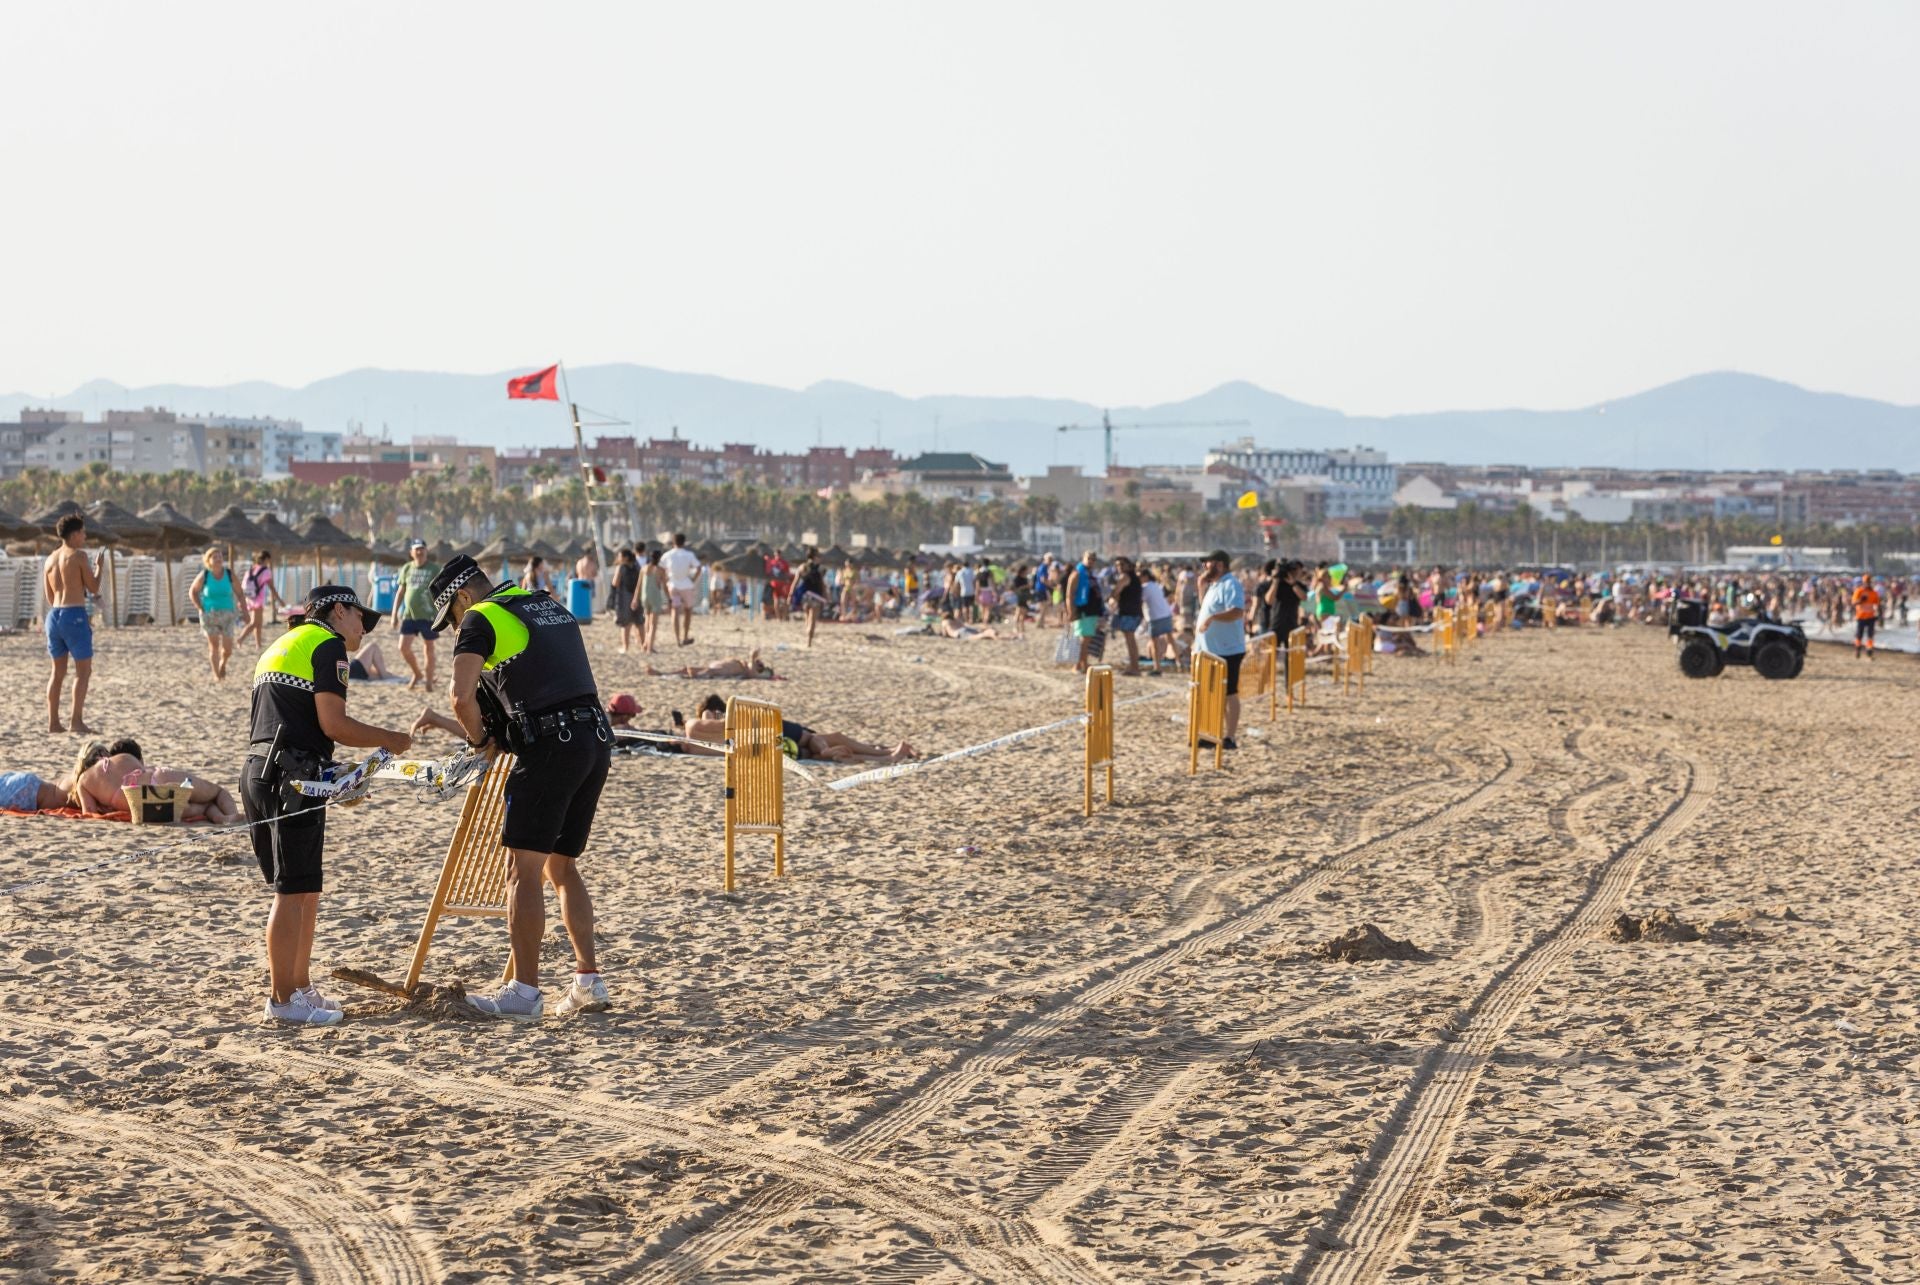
(1722, 420)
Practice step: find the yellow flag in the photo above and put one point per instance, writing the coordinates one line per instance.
(1251, 500)
(1776, 539)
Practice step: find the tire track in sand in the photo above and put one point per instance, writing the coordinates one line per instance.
(988, 1246)
(330, 1232)
(1127, 1121)
(956, 1228)
(737, 1077)
(687, 1251)
(1380, 1210)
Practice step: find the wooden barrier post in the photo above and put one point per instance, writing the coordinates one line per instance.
(1206, 709)
(756, 766)
(1360, 649)
(1099, 729)
(1266, 667)
(473, 878)
(1297, 643)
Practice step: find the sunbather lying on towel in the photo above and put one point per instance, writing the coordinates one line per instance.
(802, 742)
(732, 667)
(93, 786)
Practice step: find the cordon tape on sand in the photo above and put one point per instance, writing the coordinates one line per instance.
(351, 793)
(895, 770)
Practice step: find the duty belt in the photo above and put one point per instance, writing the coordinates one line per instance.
(563, 724)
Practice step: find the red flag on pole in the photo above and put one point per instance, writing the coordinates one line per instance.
(542, 385)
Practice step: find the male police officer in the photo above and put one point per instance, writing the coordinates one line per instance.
(520, 674)
(299, 711)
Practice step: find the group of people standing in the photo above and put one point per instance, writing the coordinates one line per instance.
(521, 683)
(649, 583)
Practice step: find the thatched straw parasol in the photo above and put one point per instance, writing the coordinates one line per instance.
(280, 537)
(16, 528)
(175, 525)
(442, 549)
(235, 528)
(500, 552)
(471, 548)
(747, 566)
(328, 540)
(542, 549)
(171, 527)
(133, 529)
(709, 552)
(97, 533)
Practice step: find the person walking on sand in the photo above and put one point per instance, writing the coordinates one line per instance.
(413, 609)
(653, 599)
(1222, 632)
(1127, 602)
(1084, 606)
(682, 566)
(810, 592)
(628, 612)
(216, 596)
(260, 589)
(68, 578)
(1866, 615)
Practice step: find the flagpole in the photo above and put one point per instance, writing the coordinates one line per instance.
(586, 480)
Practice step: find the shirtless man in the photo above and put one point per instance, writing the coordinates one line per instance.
(69, 578)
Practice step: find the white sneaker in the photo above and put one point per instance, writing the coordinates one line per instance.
(313, 996)
(588, 996)
(299, 1011)
(509, 1001)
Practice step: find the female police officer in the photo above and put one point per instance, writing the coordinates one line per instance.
(299, 711)
(521, 652)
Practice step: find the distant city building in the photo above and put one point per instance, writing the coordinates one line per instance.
(1354, 482)
(957, 475)
(156, 440)
(1370, 550)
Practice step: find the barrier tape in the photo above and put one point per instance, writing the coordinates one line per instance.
(186, 838)
(895, 770)
(182, 840)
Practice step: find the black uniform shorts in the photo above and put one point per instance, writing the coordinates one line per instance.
(553, 791)
(303, 833)
(1233, 672)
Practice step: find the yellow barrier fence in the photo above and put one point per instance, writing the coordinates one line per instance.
(756, 767)
(1297, 644)
(473, 878)
(1099, 728)
(1445, 636)
(1206, 709)
(1260, 672)
(1360, 650)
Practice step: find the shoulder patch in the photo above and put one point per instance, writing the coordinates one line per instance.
(343, 668)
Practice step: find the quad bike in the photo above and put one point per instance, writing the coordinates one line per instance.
(1777, 649)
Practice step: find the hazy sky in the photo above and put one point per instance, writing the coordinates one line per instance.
(1377, 207)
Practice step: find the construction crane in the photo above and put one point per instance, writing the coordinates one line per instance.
(1108, 427)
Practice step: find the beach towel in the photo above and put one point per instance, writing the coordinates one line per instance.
(75, 814)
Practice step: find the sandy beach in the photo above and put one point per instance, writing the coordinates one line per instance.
(1656, 1018)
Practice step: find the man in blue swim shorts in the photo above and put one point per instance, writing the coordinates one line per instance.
(69, 577)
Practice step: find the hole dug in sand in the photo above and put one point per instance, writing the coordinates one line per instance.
(1661, 925)
(435, 1003)
(1366, 942)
